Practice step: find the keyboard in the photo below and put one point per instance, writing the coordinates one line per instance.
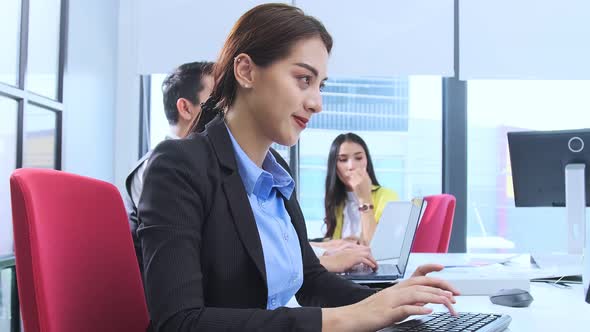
(444, 322)
(388, 272)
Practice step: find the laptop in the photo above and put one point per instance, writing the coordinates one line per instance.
(391, 243)
(393, 240)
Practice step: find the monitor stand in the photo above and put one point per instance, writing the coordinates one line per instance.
(578, 231)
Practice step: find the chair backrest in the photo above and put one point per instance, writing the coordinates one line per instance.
(434, 231)
(75, 262)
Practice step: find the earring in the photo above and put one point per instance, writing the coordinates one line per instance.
(247, 86)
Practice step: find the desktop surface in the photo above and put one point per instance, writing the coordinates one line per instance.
(555, 308)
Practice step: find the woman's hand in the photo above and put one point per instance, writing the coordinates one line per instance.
(423, 270)
(343, 260)
(353, 239)
(361, 185)
(392, 305)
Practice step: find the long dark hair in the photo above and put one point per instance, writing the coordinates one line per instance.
(266, 33)
(335, 189)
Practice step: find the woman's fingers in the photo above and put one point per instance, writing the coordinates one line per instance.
(372, 260)
(352, 239)
(429, 281)
(402, 312)
(369, 263)
(423, 270)
(419, 295)
(437, 291)
(361, 255)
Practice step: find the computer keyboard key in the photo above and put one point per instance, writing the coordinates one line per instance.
(445, 322)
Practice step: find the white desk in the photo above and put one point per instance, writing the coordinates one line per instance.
(553, 309)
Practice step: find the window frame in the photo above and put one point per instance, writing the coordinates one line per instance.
(24, 98)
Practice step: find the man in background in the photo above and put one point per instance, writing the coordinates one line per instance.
(183, 90)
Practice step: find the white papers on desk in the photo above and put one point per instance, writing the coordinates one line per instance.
(558, 265)
(484, 280)
(486, 274)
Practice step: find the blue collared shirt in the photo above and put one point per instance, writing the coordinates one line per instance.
(267, 187)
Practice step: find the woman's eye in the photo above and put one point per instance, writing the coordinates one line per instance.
(342, 160)
(305, 80)
(322, 86)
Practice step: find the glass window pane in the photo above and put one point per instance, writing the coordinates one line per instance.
(496, 107)
(6, 289)
(8, 132)
(39, 138)
(9, 39)
(283, 151)
(159, 127)
(400, 119)
(43, 51)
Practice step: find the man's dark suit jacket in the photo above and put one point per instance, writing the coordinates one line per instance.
(131, 207)
(203, 262)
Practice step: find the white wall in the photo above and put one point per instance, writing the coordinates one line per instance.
(172, 32)
(89, 88)
(127, 116)
(526, 39)
(387, 37)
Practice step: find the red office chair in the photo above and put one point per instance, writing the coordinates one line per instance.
(75, 262)
(434, 230)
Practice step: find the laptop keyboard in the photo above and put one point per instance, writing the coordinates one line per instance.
(443, 321)
(363, 269)
(388, 269)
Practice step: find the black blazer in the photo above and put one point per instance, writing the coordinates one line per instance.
(203, 262)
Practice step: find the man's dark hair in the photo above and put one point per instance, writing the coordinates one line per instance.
(184, 82)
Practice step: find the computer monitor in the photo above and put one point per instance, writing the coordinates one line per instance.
(552, 168)
(538, 160)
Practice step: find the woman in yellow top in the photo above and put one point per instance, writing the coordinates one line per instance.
(354, 200)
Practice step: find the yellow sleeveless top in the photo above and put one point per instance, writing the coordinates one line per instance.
(380, 196)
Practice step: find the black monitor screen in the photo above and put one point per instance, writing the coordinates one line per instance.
(538, 160)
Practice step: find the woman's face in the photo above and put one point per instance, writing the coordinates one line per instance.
(286, 94)
(351, 157)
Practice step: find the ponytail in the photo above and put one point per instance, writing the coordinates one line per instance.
(209, 110)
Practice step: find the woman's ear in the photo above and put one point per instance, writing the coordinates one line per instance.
(244, 69)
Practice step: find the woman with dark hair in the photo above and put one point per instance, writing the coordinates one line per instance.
(223, 238)
(354, 200)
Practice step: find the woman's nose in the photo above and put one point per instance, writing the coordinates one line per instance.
(350, 165)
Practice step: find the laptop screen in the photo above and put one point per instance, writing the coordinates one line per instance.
(389, 236)
(413, 220)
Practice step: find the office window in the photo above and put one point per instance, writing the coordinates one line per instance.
(9, 40)
(43, 48)
(39, 138)
(6, 284)
(8, 135)
(495, 108)
(399, 118)
(159, 126)
(283, 151)
(29, 133)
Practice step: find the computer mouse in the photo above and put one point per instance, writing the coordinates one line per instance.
(514, 297)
